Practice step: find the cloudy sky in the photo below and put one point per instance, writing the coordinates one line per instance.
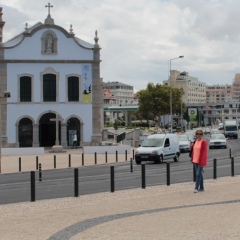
(139, 37)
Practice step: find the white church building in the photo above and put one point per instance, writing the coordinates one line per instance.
(56, 90)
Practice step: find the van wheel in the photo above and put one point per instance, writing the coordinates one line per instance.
(176, 158)
(160, 159)
(138, 162)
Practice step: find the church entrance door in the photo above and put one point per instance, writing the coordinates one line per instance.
(73, 127)
(47, 130)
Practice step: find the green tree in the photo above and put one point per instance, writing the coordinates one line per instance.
(155, 100)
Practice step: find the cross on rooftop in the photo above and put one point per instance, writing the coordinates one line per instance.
(49, 6)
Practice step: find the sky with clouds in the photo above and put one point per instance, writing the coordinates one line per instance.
(139, 37)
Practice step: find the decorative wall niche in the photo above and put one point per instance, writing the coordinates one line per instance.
(49, 43)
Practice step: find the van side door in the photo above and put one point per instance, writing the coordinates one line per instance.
(166, 149)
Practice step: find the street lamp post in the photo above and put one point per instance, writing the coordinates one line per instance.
(170, 84)
(199, 114)
(181, 117)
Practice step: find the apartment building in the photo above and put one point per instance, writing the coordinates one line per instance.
(214, 113)
(119, 100)
(218, 93)
(194, 91)
(123, 93)
(236, 88)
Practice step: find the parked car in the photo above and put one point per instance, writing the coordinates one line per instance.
(157, 148)
(217, 141)
(207, 130)
(191, 135)
(184, 143)
(215, 131)
(220, 126)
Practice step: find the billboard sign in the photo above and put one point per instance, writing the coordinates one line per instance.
(192, 113)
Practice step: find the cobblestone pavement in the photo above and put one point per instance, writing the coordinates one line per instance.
(160, 212)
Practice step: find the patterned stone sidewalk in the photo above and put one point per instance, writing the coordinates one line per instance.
(161, 212)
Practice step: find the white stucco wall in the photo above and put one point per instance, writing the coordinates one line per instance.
(30, 48)
(34, 111)
(16, 69)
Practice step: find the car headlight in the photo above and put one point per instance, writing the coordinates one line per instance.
(136, 152)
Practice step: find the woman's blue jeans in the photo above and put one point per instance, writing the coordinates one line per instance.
(199, 177)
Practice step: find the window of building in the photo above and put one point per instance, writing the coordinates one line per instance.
(49, 88)
(73, 89)
(226, 111)
(25, 89)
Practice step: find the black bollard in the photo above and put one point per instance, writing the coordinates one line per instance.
(106, 157)
(82, 159)
(33, 186)
(112, 178)
(131, 165)
(194, 174)
(168, 173)
(69, 160)
(54, 161)
(116, 156)
(126, 155)
(95, 157)
(133, 157)
(19, 164)
(36, 162)
(40, 172)
(232, 166)
(143, 176)
(215, 168)
(230, 152)
(76, 194)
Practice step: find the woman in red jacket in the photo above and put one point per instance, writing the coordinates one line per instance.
(199, 159)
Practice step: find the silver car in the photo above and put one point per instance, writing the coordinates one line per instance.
(215, 131)
(191, 135)
(184, 143)
(217, 141)
(207, 130)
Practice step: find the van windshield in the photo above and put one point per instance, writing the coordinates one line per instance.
(231, 128)
(152, 143)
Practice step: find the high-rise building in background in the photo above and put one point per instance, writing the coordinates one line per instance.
(236, 88)
(218, 93)
(193, 90)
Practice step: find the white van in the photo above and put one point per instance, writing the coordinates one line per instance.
(157, 148)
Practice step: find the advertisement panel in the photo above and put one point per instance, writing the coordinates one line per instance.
(192, 113)
(86, 83)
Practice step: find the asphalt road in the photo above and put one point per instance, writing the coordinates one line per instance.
(56, 183)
